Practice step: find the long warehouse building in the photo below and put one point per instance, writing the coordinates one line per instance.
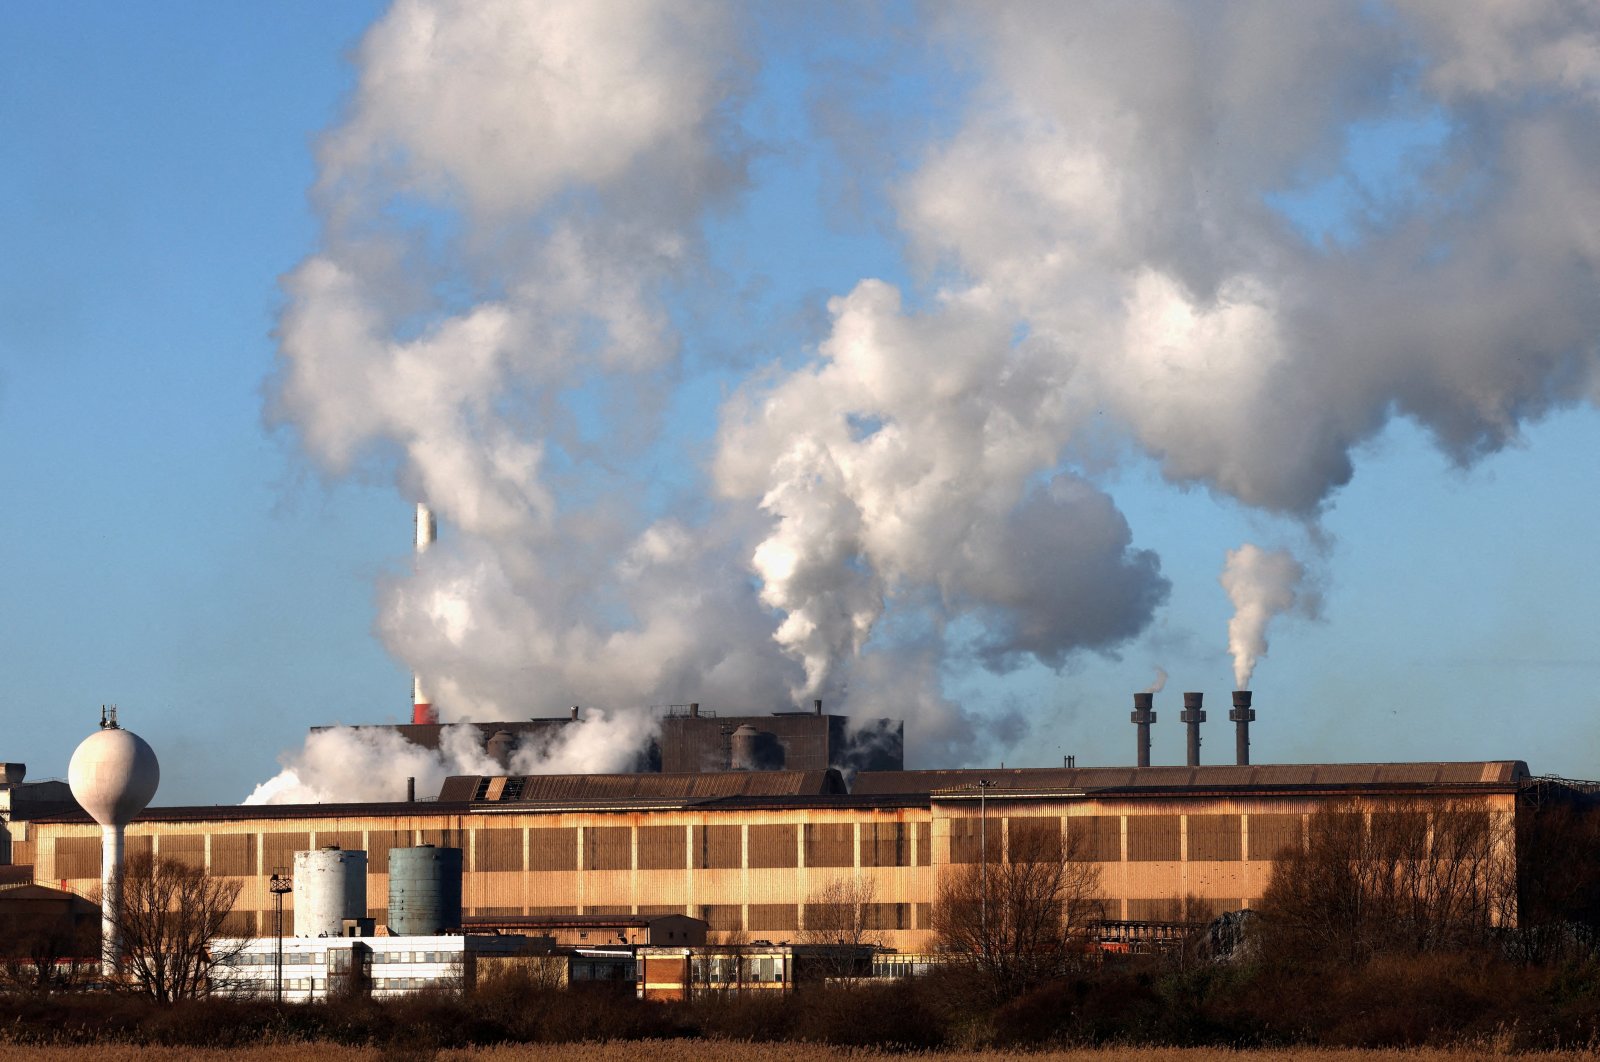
(748, 850)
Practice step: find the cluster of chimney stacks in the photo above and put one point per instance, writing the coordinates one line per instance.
(1193, 715)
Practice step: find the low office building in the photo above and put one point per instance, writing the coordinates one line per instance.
(315, 967)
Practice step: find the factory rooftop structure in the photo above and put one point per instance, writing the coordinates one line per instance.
(751, 852)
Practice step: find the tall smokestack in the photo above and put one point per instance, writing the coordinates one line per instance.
(1143, 715)
(1193, 715)
(421, 705)
(1242, 715)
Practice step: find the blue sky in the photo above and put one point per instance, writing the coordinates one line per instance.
(175, 548)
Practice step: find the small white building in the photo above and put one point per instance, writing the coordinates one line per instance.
(380, 966)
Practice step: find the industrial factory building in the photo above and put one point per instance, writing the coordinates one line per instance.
(751, 852)
(748, 851)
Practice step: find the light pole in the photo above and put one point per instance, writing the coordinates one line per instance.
(278, 885)
(984, 785)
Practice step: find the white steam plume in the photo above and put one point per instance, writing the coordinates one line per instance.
(343, 764)
(518, 191)
(1261, 585)
(1103, 218)
(514, 189)
(600, 743)
(1160, 682)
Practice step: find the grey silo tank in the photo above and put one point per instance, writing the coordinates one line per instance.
(744, 749)
(424, 890)
(330, 885)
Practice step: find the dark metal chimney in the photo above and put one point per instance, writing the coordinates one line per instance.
(818, 705)
(1143, 715)
(1193, 715)
(574, 711)
(1242, 715)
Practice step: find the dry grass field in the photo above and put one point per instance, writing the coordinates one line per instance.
(724, 1051)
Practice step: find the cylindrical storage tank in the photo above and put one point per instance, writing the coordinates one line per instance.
(424, 890)
(743, 754)
(330, 885)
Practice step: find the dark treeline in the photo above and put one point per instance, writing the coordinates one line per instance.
(1389, 1001)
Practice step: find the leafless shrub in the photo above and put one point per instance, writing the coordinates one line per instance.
(169, 917)
(1411, 877)
(1021, 921)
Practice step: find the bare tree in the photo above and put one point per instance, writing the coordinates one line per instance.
(170, 920)
(843, 914)
(1022, 920)
(1408, 877)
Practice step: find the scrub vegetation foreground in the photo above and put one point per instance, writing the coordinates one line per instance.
(730, 1051)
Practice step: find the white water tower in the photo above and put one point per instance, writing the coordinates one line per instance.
(113, 775)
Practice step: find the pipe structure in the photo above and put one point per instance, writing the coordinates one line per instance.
(1193, 715)
(1242, 715)
(1143, 715)
(421, 704)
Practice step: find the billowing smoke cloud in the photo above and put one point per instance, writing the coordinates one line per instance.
(1117, 256)
(1110, 221)
(344, 763)
(513, 193)
(1261, 585)
(601, 743)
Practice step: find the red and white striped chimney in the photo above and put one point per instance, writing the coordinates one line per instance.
(421, 707)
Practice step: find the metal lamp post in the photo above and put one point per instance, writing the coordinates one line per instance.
(279, 884)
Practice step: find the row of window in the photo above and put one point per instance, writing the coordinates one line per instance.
(1097, 838)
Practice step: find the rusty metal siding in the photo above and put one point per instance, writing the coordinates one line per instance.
(1159, 909)
(718, 847)
(233, 854)
(1098, 838)
(379, 842)
(967, 837)
(1154, 838)
(1216, 838)
(1270, 834)
(880, 916)
(656, 910)
(278, 849)
(607, 848)
(774, 917)
(77, 857)
(723, 917)
(497, 849)
(885, 844)
(1033, 838)
(188, 849)
(663, 848)
(773, 847)
(830, 844)
(349, 840)
(924, 844)
(553, 848)
(239, 924)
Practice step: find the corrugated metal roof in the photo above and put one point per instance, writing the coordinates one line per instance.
(628, 788)
(1221, 776)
